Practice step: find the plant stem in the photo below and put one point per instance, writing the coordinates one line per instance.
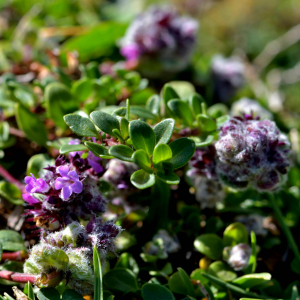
(18, 277)
(6, 175)
(159, 208)
(18, 255)
(284, 227)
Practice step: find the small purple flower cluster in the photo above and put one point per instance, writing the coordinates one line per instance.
(252, 152)
(66, 192)
(160, 33)
(228, 75)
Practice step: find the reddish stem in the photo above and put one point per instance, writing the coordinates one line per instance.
(18, 277)
(18, 255)
(16, 132)
(6, 175)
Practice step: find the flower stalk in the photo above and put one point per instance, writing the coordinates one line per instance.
(284, 227)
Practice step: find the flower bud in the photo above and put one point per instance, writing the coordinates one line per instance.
(238, 256)
(250, 107)
(46, 255)
(227, 77)
(160, 38)
(252, 152)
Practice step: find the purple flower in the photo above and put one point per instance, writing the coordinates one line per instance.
(36, 185)
(74, 142)
(93, 162)
(30, 199)
(227, 76)
(68, 183)
(131, 52)
(162, 36)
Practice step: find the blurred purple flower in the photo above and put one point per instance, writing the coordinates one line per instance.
(68, 183)
(35, 185)
(93, 161)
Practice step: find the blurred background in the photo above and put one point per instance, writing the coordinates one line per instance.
(264, 33)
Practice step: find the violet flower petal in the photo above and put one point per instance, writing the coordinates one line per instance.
(77, 187)
(63, 170)
(66, 192)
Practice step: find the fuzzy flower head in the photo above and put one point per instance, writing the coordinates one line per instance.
(203, 163)
(70, 252)
(227, 76)
(238, 256)
(252, 152)
(161, 34)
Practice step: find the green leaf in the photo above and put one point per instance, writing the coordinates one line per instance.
(169, 177)
(163, 131)
(48, 294)
(98, 287)
(235, 233)
(142, 136)
(1, 251)
(207, 142)
(31, 125)
(182, 150)
(72, 295)
(124, 127)
(151, 291)
(111, 297)
(98, 150)
(153, 103)
(82, 89)
(161, 152)
(97, 41)
(195, 104)
(177, 285)
(182, 111)
(186, 279)
(81, 125)
(252, 260)
(142, 180)
(105, 122)
(183, 88)
(169, 93)
(59, 102)
(206, 124)
(121, 152)
(295, 294)
(127, 261)
(217, 110)
(221, 270)
(122, 280)
(30, 292)
(251, 280)
(141, 158)
(6, 140)
(72, 148)
(142, 112)
(210, 245)
(11, 193)
(37, 162)
(235, 289)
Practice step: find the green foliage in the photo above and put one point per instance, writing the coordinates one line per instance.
(210, 245)
(11, 240)
(98, 287)
(152, 291)
(31, 125)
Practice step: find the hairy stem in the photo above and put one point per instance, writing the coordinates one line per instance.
(18, 255)
(284, 227)
(18, 277)
(6, 175)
